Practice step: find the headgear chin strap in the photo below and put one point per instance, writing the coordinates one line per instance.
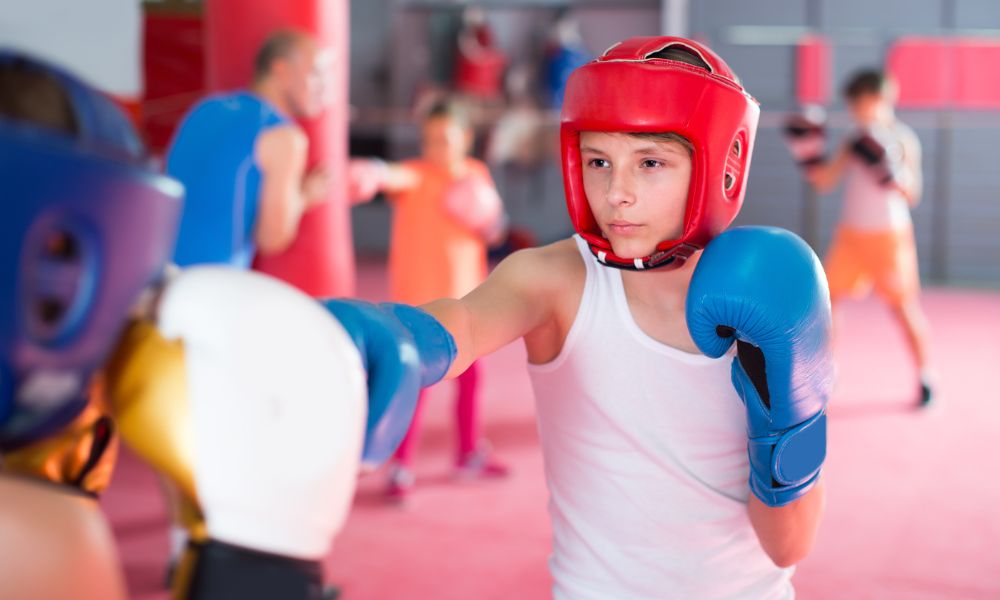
(85, 225)
(628, 91)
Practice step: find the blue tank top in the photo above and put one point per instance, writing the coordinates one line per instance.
(213, 156)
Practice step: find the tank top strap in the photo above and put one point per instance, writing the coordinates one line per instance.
(594, 290)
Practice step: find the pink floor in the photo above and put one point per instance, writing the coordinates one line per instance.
(913, 497)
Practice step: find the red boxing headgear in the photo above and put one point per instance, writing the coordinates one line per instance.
(627, 91)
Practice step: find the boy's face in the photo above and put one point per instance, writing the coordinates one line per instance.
(445, 141)
(637, 189)
(868, 109)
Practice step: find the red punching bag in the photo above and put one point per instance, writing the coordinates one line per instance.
(479, 65)
(321, 259)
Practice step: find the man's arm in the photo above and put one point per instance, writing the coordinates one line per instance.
(517, 298)
(285, 192)
(787, 532)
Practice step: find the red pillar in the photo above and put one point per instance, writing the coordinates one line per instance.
(813, 70)
(321, 260)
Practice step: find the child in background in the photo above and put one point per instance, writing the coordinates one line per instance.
(873, 246)
(446, 212)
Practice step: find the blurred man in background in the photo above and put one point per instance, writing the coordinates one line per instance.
(242, 158)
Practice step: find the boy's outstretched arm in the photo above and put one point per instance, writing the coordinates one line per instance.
(825, 176)
(516, 298)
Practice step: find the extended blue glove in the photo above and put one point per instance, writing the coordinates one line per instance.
(404, 349)
(764, 288)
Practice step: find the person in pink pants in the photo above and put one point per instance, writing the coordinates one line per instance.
(446, 213)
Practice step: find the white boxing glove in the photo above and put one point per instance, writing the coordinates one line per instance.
(278, 403)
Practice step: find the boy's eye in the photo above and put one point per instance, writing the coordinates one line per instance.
(650, 163)
(598, 163)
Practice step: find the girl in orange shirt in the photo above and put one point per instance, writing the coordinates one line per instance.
(446, 211)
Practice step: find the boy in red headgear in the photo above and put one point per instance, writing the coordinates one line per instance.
(647, 448)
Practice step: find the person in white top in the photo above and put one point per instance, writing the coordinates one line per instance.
(648, 444)
(873, 246)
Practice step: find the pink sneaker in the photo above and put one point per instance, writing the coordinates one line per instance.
(400, 484)
(480, 464)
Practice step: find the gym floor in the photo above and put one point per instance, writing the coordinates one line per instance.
(912, 496)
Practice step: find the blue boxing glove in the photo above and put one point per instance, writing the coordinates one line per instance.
(404, 350)
(764, 288)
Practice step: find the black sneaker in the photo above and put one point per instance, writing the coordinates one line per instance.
(926, 394)
(331, 592)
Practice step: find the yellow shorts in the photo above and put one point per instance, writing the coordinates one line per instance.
(886, 260)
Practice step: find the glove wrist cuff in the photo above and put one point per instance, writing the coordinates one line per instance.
(777, 497)
(785, 464)
(435, 344)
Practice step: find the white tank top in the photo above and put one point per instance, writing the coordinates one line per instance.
(645, 456)
(869, 205)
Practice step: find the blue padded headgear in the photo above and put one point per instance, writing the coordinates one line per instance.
(85, 224)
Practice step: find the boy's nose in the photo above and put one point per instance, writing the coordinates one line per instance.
(621, 190)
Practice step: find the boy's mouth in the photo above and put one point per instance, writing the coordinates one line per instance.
(622, 227)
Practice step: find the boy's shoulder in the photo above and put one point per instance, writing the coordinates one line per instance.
(551, 279)
(906, 133)
(561, 253)
(552, 265)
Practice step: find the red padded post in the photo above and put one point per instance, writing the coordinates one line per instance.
(813, 70)
(321, 260)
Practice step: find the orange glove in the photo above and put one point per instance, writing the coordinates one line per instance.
(81, 455)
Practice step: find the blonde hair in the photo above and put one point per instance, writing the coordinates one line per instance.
(666, 137)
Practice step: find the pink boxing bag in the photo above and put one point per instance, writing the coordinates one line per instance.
(321, 259)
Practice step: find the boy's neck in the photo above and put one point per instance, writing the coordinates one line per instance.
(660, 287)
(885, 118)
